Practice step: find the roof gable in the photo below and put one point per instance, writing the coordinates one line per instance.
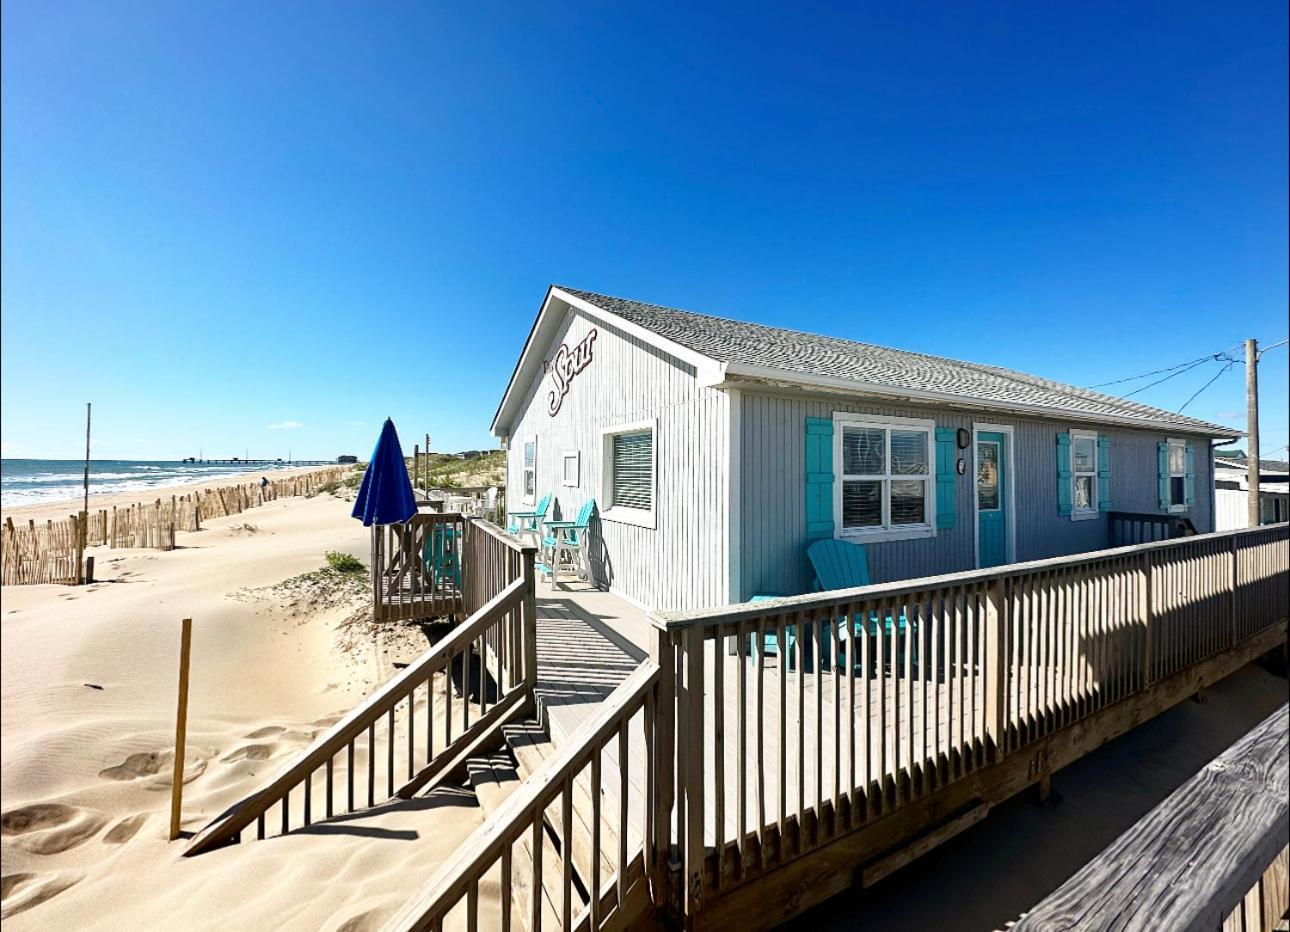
(546, 328)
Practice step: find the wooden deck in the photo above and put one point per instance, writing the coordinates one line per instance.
(697, 781)
(589, 641)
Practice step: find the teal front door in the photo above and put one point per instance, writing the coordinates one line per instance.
(992, 498)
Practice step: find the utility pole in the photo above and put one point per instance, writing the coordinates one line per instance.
(1252, 426)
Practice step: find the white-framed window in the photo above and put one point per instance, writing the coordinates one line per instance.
(1083, 474)
(629, 490)
(529, 480)
(571, 468)
(884, 487)
(1177, 475)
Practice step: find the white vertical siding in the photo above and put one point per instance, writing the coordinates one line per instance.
(682, 562)
(772, 493)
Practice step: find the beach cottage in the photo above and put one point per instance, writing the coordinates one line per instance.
(717, 451)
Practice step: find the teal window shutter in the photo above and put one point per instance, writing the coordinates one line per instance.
(819, 478)
(1103, 472)
(1162, 464)
(1191, 478)
(1063, 474)
(946, 476)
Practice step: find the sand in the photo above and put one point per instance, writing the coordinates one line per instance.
(87, 736)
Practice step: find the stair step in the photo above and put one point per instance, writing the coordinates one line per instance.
(531, 745)
(494, 777)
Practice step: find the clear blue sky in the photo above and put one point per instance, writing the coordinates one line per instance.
(221, 217)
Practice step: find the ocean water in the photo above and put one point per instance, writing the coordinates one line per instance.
(33, 482)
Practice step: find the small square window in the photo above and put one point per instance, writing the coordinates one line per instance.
(570, 468)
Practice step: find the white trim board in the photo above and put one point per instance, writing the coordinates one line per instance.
(734, 506)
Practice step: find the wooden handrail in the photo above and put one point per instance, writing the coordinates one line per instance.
(382, 702)
(839, 709)
(1233, 813)
(501, 535)
(524, 809)
(834, 598)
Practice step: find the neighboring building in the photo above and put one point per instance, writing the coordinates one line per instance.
(1231, 492)
(346, 458)
(718, 450)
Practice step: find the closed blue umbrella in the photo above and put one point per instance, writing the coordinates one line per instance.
(385, 497)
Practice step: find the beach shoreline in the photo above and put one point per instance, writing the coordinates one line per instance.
(62, 508)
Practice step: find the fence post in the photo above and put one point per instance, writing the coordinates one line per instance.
(181, 729)
(82, 532)
(996, 675)
(1145, 610)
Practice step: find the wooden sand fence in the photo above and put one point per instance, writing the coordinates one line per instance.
(42, 553)
(54, 552)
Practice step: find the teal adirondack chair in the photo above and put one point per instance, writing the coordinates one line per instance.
(441, 557)
(770, 640)
(567, 539)
(529, 522)
(840, 564)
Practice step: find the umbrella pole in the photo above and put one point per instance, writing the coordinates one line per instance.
(376, 571)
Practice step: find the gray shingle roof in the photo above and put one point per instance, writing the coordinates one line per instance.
(808, 354)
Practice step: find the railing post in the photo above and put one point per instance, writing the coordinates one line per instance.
(1145, 610)
(471, 566)
(692, 754)
(664, 767)
(996, 675)
(530, 621)
(1235, 585)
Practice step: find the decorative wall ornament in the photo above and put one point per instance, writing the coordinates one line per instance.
(564, 366)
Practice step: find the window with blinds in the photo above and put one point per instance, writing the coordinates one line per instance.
(632, 483)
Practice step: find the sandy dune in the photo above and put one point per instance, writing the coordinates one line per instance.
(89, 679)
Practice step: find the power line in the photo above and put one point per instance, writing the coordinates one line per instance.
(1198, 362)
(1222, 371)
(1134, 378)
(1272, 347)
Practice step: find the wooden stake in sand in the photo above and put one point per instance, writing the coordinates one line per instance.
(181, 729)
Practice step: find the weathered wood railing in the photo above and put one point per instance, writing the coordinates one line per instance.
(509, 848)
(417, 567)
(1125, 528)
(884, 699)
(413, 724)
(1213, 855)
